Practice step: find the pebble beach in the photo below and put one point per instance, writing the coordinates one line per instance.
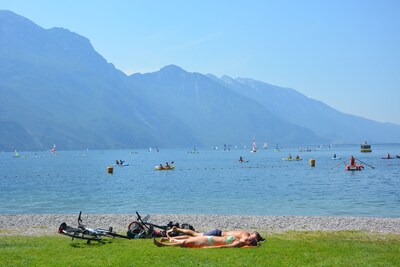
(47, 224)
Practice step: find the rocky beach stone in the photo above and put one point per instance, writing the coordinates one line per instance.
(47, 224)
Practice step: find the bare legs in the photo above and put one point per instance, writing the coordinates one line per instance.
(162, 244)
(187, 233)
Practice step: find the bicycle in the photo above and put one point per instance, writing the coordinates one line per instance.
(86, 233)
(143, 229)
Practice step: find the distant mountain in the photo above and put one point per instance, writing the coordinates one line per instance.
(56, 89)
(214, 113)
(325, 121)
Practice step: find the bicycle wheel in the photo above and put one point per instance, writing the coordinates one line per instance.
(135, 225)
(81, 236)
(135, 230)
(112, 234)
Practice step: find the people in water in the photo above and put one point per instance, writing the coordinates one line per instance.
(241, 159)
(161, 166)
(119, 162)
(167, 166)
(290, 156)
(297, 157)
(388, 156)
(334, 156)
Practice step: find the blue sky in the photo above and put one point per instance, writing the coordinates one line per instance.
(343, 53)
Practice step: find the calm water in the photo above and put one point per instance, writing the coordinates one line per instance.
(210, 182)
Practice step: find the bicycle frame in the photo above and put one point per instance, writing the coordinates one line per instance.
(143, 229)
(89, 234)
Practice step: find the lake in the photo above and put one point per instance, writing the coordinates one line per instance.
(208, 182)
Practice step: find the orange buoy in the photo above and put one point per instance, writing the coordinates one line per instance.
(110, 169)
(312, 162)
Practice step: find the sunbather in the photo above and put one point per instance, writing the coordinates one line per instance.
(237, 234)
(207, 242)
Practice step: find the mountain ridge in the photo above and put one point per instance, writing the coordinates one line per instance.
(57, 89)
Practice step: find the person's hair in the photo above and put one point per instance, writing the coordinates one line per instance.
(253, 243)
(259, 238)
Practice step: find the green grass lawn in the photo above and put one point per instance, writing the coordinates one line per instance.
(344, 248)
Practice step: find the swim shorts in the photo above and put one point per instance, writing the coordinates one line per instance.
(215, 232)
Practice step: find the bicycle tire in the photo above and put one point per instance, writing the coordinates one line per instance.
(81, 236)
(111, 234)
(135, 225)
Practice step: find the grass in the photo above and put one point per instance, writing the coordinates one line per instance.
(346, 248)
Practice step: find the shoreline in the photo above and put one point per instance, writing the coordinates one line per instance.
(47, 224)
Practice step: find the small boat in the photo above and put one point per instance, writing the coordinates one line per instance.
(388, 156)
(354, 167)
(366, 148)
(292, 159)
(162, 168)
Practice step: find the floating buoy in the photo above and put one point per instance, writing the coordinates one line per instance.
(312, 162)
(110, 169)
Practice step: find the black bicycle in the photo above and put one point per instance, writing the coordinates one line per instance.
(87, 233)
(141, 228)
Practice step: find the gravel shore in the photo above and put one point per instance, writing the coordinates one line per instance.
(47, 224)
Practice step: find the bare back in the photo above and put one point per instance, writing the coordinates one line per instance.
(237, 234)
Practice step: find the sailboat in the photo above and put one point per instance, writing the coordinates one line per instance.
(53, 150)
(254, 149)
(265, 146)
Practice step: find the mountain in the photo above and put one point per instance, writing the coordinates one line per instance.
(56, 89)
(323, 120)
(216, 114)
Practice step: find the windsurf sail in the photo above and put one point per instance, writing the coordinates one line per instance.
(53, 150)
(254, 146)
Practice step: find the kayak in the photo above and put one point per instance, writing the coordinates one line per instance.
(336, 158)
(389, 158)
(158, 168)
(121, 165)
(290, 159)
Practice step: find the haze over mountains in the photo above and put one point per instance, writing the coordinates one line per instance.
(56, 89)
